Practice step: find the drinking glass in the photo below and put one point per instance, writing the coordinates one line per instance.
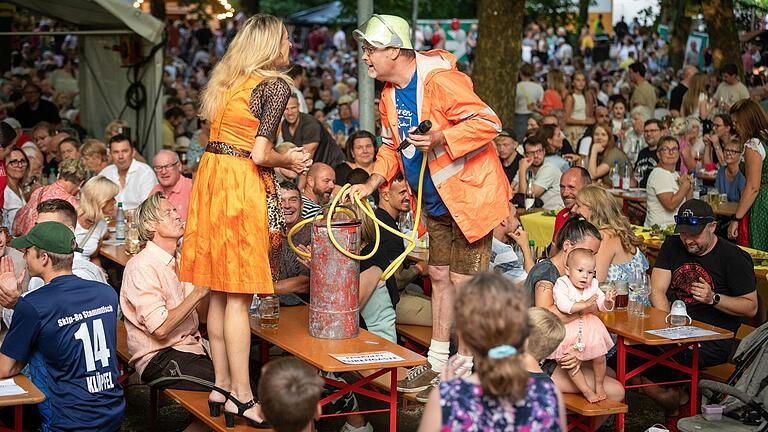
(642, 290)
(713, 196)
(132, 241)
(638, 176)
(622, 294)
(269, 312)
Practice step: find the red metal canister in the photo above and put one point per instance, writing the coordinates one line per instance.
(334, 287)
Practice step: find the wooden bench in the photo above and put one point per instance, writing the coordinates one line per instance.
(417, 338)
(722, 372)
(123, 357)
(582, 414)
(126, 370)
(196, 402)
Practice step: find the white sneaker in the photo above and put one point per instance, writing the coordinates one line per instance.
(349, 428)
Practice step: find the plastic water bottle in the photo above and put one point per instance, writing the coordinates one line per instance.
(532, 245)
(625, 182)
(696, 186)
(615, 176)
(120, 224)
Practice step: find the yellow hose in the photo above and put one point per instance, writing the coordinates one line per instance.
(366, 208)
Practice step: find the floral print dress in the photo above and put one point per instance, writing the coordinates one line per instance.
(466, 408)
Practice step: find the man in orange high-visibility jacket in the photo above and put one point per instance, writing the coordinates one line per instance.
(465, 192)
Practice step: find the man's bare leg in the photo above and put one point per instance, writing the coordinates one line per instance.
(442, 315)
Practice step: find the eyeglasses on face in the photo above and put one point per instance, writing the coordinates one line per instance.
(534, 152)
(17, 162)
(732, 152)
(161, 168)
(651, 131)
(669, 150)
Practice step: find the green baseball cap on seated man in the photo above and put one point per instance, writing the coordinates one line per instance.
(385, 31)
(52, 237)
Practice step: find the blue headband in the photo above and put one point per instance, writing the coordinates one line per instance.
(501, 351)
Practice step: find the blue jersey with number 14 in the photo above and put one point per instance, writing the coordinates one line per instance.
(68, 328)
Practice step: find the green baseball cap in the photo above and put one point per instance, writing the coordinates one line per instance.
(48, 236)
(384, 31)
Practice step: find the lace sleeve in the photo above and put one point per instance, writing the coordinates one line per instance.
(268, 101)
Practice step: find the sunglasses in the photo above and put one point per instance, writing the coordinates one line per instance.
(693, 220)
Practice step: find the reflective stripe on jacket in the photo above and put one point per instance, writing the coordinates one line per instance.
(466, 171)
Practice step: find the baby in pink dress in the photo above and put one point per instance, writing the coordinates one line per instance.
(586, 337)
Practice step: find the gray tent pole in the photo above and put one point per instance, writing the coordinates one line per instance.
(364, 82)
(414, 18)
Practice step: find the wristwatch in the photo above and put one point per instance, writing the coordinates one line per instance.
(715, 299)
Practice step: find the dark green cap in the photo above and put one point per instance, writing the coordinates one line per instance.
(48, 236)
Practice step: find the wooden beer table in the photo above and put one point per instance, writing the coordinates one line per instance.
(631, 330)
(115, 252)
(33, 395)
(292, 335)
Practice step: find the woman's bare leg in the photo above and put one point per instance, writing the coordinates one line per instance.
(216, 307)
(237, 337)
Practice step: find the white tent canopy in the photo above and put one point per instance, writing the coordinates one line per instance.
(103, 78)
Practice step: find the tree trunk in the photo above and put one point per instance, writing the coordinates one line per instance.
(723, 36)
(583, 14)
(673, 14)
(157, 8)
(499, 54)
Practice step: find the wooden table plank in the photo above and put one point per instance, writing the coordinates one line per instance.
(115, 253)
(293, 336)
(634, 327)
(422, 335)
(637, 195)
(33, 394)
(196, 403)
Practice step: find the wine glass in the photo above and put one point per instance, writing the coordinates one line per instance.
(639, 176)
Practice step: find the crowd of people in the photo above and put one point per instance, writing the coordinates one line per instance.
(585, 121)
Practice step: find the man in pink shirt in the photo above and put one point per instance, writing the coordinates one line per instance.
(161, 313)
(172, 184)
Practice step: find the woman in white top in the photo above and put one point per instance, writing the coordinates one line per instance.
(695, 101)
(667, 189)
(576, 110)
(16, 169)
(752, 126)
(97, 199)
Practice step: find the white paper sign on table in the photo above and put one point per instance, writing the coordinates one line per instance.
(8, 387)
(367, 358)
(681, 332)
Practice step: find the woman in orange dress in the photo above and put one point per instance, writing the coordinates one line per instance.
(235, 219)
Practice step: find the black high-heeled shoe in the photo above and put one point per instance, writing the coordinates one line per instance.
(229, 417)
(215, 407)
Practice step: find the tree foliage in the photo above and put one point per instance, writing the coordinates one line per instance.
(282, 8)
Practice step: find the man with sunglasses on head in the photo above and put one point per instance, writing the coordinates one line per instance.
(465, 191)
(716, 281)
